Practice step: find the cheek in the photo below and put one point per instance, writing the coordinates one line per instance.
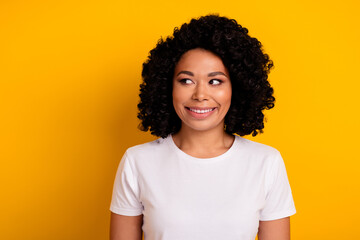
(179, 95)
(176, 98)
(224, 96)
(178, 102)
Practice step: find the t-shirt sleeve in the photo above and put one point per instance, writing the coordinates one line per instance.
(125, 196)
(279, 201)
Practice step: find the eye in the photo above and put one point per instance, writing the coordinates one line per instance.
(215, 82)
(185, 81)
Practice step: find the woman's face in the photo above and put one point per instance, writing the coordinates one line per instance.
(201, 90)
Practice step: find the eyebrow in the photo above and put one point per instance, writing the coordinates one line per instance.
(185, 72)
(212, 74)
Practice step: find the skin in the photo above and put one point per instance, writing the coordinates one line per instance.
(274, 230)
(200, 82)
(125, 227)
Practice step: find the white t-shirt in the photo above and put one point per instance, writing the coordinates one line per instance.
(186, 198)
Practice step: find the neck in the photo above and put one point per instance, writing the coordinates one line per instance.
(209, 143)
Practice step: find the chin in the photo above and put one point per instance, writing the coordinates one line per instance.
(203, 127)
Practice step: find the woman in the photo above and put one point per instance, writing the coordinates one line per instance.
(200, 181)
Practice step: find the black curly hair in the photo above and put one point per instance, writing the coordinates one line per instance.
(241, 54)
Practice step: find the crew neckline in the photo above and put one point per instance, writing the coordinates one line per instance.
(235, 144)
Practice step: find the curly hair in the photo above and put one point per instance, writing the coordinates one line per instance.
(241, 54)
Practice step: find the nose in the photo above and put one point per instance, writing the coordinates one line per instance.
(200, 92)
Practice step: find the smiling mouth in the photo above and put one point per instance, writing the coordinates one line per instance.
(200, 111)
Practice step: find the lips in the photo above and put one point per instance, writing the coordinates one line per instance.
(200, 113)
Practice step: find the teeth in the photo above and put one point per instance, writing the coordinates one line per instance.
(201, 111)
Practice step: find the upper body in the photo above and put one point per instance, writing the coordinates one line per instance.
(185, 197)
(202, 87)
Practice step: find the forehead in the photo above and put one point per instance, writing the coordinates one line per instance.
(200, 59)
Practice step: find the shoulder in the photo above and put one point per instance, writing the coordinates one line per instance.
(147, 149)
(256, 148)
(265, 158)
(150, 155)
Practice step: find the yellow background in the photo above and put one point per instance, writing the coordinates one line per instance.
(70, 72)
